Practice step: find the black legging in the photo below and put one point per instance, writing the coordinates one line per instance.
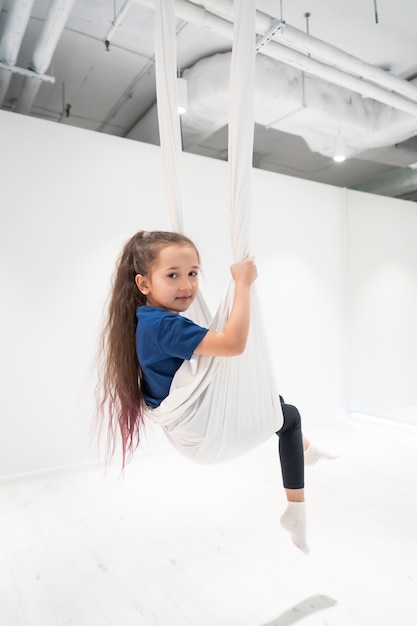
(291, 453)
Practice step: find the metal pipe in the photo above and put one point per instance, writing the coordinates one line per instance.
(14, 30)
(337, 77)
(307, 44)
(5, 78)
(27, 95)
(298, 40)
(53, 26)
(117, 21)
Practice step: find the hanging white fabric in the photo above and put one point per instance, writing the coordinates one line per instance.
(218, 408)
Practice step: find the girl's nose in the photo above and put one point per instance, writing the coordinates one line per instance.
(185, 284)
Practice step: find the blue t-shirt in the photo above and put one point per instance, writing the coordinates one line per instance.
(163, 341)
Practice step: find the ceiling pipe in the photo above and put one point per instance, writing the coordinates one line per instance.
(225, 7)
(308, 45)
(296, 39)
(53, 27)
(27, 95)
(381, 85)
(14, 30)
(5, 78)
(54, 24)
(117, 22)
(6, 74)
(337, 77)
(1, 6)
(199, 16)
(11, 41)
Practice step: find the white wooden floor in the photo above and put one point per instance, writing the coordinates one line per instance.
(175, 544)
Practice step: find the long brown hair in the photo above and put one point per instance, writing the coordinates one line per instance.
(119, 394)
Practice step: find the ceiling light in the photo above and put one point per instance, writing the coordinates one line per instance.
(182, 95)
(339, 149)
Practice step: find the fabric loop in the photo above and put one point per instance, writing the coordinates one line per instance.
(217, 408)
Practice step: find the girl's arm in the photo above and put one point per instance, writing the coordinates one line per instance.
(232, 340)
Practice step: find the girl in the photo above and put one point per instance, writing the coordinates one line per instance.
(145, 341)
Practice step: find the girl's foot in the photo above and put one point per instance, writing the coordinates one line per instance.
(313, 454)
(294, 520)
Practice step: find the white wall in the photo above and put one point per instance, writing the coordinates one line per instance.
(382, 288)
(298, 227)
(70, 199)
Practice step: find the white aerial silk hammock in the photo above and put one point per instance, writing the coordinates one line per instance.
(218, 407)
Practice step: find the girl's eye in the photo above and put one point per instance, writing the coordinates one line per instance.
(173, 275)
(193, 274)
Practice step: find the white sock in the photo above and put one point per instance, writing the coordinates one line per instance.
(294, 520)
(313, 454)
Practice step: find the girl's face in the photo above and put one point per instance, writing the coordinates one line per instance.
(172, 283)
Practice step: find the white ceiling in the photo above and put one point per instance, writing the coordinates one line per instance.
(113, 90)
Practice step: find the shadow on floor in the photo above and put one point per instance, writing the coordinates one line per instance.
(302, 609)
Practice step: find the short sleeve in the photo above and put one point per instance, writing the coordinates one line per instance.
(178, 336)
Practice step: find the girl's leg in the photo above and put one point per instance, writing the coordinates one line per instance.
(294, 452)
(291, 454)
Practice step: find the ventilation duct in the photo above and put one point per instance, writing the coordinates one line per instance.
(54, 24)
(56, 19)
(317, 57)
(5, 78)
(368, 106)
(287, 100)
(11, 41)
(14, 30)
